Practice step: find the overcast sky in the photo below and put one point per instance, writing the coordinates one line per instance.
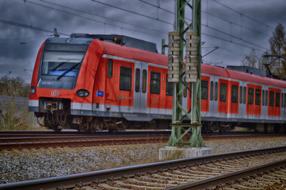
(234, 26)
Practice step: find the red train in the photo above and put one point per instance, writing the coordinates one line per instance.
(88, 83)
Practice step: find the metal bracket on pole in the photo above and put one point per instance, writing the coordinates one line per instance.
(173, 56)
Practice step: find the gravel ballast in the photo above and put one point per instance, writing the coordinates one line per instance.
(18, 165)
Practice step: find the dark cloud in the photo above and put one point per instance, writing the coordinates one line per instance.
(18, 46)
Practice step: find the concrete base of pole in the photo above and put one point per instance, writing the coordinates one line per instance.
(171, 153)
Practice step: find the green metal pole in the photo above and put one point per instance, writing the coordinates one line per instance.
(196, 138)
(175, 139)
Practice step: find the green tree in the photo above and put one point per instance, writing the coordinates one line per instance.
(278, 51)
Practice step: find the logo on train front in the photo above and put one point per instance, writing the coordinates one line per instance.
(55, 93)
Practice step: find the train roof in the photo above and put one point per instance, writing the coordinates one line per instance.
(242, 76)
(121, 40)
(159, 59)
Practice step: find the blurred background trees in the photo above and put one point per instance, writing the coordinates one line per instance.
(13, 86)
(274, 60)
(278, 52)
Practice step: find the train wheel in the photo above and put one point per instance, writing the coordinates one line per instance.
(277, 129)
(265, 127)
(57, 129)
(51, 123)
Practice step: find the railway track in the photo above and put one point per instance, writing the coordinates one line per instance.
(41, 139)
(20, 140)
(270, 176)
(211, 172)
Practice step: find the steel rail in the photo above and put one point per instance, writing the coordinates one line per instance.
(22, 141)
(83, 142)
(39, 133)
(111, 174)
(231, 177)
(83, 136)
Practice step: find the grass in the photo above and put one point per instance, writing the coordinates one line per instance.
(176, 154)
(13, 117)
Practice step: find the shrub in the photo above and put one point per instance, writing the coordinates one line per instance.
(13, 118)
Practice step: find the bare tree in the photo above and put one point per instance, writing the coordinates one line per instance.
(251, 59)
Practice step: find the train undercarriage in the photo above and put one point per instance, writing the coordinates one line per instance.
(58, 120)
(55, 114)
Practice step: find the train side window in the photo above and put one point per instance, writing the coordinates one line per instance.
(109, 68)
(223, 91)
(266, 97)
(257, 96)
(271, 98)
(137, 80)
(234, 94)
(277, 98)
(155, 83)
(244, 95)
(282, 101)
(212, 90)
(216, 91)
(240, 94)
(250, 95)
(125, 78)
(169, 87)
(144, 81)
(205, 91)
(263, 97)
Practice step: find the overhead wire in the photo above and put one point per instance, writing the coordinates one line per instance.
(24, 25)
(32, 27)
(231, 41)
(157, 6)
(79, 13)
(215, 29)
(233, 36)
(252, 45)
(133, 12)
(232, 23)
(241, 13)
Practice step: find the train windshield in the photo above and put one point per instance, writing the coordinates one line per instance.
(61, 64)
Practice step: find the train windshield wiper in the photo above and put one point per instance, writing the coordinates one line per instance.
(58, 66)
(67, 71)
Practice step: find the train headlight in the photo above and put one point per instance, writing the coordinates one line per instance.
(33, 90)
(82, 93)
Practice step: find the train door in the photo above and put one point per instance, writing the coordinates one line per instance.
(140, 89)
(250, 107)
(283, 104)
(222, 96)
(278, 103)
(257, 104)
(205, 93)
(234, 104)
(274, 102)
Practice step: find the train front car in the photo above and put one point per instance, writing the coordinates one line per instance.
(59, 82)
